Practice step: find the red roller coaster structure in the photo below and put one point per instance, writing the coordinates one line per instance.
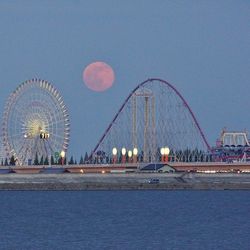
(154, 115)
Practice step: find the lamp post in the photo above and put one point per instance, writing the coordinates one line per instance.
(62, 154)
(124, 151)
(164, 154)
(114, 152)
(135, 153)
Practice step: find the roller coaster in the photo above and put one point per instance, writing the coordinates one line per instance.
(154, 116)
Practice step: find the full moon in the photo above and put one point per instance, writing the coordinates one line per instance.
(98, 76)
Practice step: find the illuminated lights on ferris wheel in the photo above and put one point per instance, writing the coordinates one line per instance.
(35, 121)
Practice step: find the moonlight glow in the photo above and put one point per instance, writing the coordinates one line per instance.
(98, 76)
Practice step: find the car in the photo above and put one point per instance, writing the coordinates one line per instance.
(154, 181)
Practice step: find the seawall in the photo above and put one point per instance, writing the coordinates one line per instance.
(124, 181)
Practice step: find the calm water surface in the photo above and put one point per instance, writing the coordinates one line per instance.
(125, 220)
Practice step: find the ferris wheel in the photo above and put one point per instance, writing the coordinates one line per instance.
(35, 122)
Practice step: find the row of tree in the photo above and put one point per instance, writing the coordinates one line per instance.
(174, 156)
(101, 157)
(47, 161)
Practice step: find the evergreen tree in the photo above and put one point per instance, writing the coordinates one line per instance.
(207, 158)
(46, 161)
(52, 161)
(81, 160)
(41, 161)
(2, 162)
(141, 156)
(71, 161)
(36, 161)
(6, 162)
(90, 159)
(119, 158)
(86, 158)
(75, 162)
(12, 161)
(210, 157)
(59, 162)
(202, 158)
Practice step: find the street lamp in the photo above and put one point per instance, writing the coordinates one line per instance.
(135, 153)
(62, 154)
(164, 154)
(114, 152)
(124, 155)
(166, 151)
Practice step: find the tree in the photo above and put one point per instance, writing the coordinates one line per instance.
(59, 162)
(62, 161)
(141, 156)
(6, 162)
(86, 158)
(81, 160)
(36, 161)
(71, 161)
(2, 162)
(41, 161)
(52, 161)
(46, 161)
(12, 161)
(202, 158)
(119, 158)
(107, 159)
(210, 157)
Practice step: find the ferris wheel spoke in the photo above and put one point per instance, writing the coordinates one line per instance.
(33, 107)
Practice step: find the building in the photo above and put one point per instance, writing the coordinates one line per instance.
(232, 146)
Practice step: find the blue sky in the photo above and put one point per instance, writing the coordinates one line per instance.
(201, 47)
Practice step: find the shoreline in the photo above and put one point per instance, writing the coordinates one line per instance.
(135, 181)
(106, 187)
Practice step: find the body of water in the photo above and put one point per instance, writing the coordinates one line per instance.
(125, 220)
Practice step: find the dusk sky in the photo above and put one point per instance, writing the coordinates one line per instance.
(200, 47)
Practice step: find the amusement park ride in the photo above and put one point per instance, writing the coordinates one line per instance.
(232, 147)
(154, 124)
(35, 122)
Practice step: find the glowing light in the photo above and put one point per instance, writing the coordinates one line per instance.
(129, 153)
(62, 154)
(114, 151)
(34, 127)
(124, 151)
(135, 151)
(166, 151)
(162, 151)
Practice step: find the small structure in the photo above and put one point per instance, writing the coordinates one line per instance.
(158, 167)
